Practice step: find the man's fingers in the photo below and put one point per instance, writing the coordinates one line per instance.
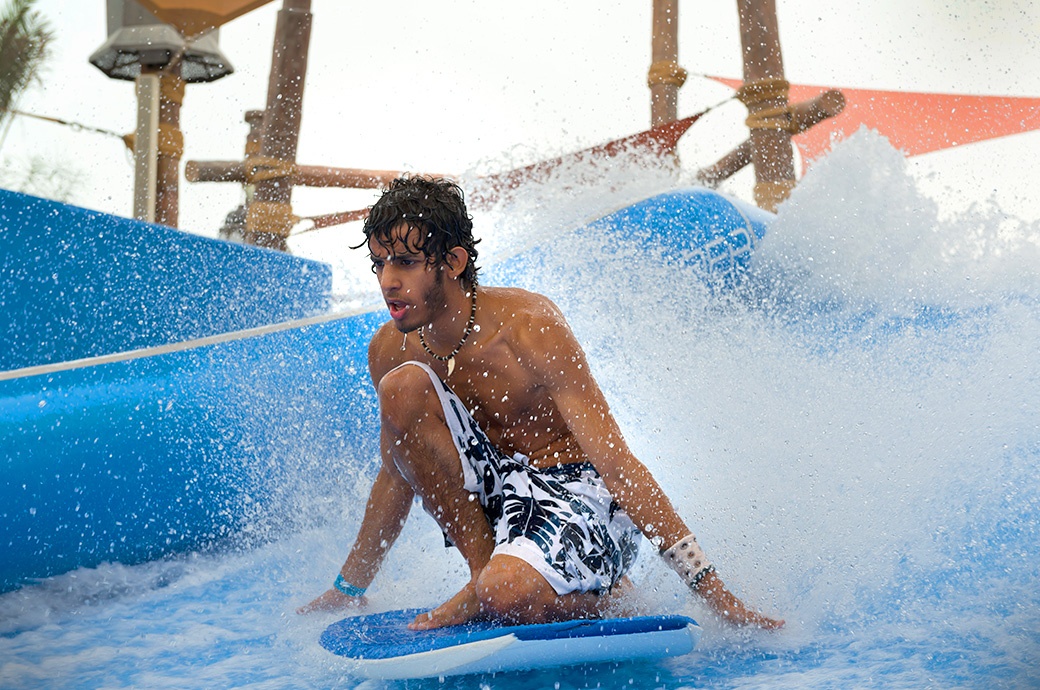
(332, 600)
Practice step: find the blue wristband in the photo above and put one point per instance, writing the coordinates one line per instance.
(350, 590)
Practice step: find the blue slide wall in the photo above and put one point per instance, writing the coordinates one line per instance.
(76, 283)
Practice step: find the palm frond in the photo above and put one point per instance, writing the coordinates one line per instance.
(25, 40)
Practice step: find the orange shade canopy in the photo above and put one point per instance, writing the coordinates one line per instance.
(194, 17)
(914, 122)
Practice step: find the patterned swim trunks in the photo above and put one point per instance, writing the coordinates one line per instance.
(560, 520)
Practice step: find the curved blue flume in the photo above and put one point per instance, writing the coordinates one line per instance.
(127, 461)
(135, 456)
(76, 283)
(693, 227)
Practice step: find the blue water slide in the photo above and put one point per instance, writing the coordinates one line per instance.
(76, 283)
(165, 439)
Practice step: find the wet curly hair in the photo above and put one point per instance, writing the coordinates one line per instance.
(434, 211)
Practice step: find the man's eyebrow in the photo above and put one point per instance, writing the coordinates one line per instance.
(391, 257)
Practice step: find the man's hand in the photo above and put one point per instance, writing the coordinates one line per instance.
(728, 607)
(333, 600)
(461, 608)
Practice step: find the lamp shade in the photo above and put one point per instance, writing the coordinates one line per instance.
(138, 39)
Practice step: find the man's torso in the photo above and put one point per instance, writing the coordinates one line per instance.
(494, 375)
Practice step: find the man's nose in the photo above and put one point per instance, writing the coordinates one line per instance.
(388, 278)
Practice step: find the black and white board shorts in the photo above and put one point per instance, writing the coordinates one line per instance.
(560, 520)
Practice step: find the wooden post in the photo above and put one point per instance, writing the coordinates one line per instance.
(765, 95)
(665, 76)
(269, 217)
(171, 145)
(255, 120)
(254, 140)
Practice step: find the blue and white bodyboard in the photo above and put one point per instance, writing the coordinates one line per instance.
(381, 646)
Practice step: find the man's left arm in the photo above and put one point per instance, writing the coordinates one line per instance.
(563, 369)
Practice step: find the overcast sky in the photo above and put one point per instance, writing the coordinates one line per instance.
(449, 86)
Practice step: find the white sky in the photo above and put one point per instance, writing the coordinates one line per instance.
(452, 85)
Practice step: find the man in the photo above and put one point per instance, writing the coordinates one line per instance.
(490, 415)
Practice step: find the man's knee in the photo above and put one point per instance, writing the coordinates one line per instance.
(406, 395)
(510, 589)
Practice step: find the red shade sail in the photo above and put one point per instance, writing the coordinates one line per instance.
(914, 122)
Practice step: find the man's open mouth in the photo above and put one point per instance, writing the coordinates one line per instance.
(397, 308)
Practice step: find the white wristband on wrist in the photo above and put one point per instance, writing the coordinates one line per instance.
(687, 558)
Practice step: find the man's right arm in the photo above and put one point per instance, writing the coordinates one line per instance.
(388, 505)
(385, 513)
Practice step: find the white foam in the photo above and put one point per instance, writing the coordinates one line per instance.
(858, 229)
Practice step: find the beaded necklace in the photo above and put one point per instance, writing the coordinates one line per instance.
(450, 359)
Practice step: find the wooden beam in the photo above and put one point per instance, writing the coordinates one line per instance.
(300, 175)
(803, 115)
(658, 141)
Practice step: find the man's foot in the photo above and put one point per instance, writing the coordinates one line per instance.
(461, 608)
(333, 600)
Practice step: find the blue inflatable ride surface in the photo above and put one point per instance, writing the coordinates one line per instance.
(76, 283)
(136, 454)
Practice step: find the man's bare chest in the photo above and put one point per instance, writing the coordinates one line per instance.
(513, 409)
(499, 395)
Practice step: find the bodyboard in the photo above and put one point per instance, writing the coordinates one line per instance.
(381, 646)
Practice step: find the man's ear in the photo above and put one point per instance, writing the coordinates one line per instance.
(458, 258)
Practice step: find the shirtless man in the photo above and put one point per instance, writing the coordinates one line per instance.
(489, 414)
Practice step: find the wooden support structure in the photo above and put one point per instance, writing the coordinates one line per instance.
(771, 119)
(300, 175)
(273, 171)
(171, 145)
(269, 218)
(765, 95)
(665, 75)
(801, 116)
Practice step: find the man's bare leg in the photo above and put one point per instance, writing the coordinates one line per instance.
(414, 428)
(511, 590)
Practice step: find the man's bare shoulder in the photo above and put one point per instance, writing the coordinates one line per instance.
(384, 350)
(534, 325)
(521, 307)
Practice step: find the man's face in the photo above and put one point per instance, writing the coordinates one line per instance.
(412, 286)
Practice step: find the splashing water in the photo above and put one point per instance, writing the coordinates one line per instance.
(853, 433)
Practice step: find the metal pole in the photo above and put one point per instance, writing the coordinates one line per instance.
(146, 146)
